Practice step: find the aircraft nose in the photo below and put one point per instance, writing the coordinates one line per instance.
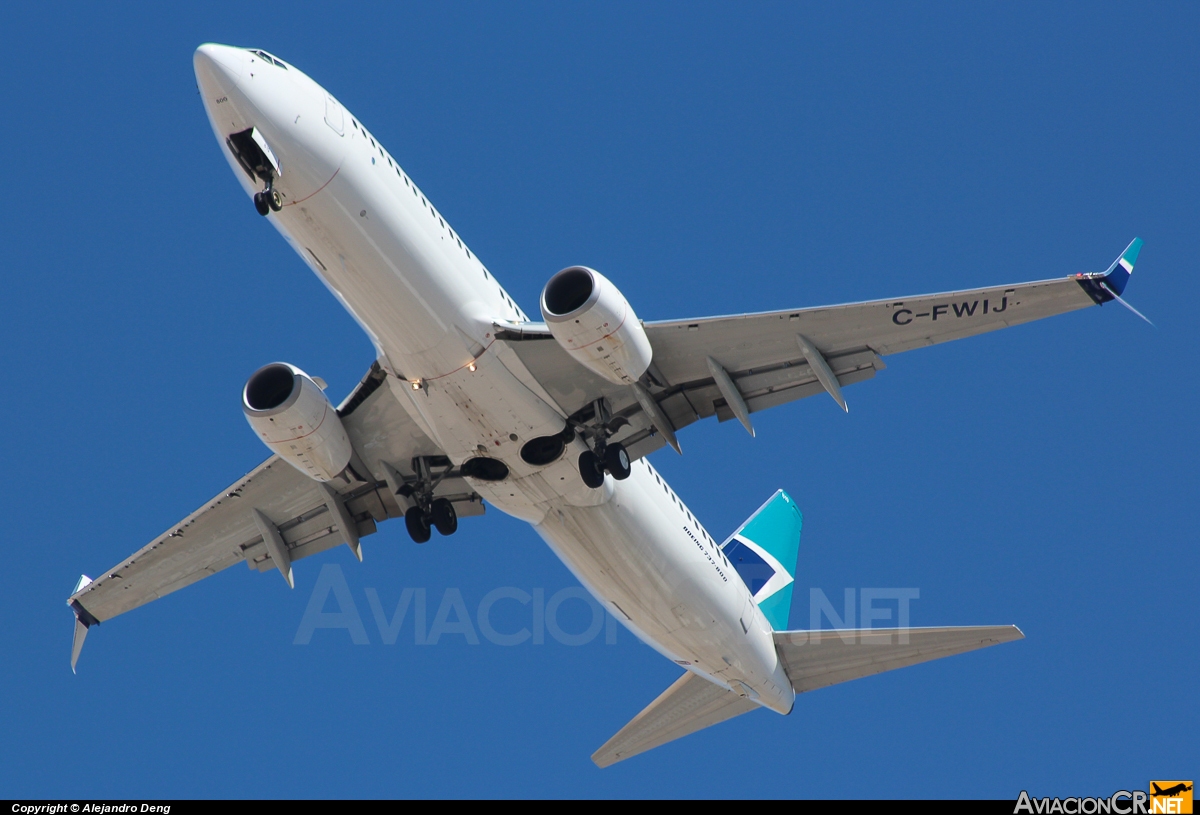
(218, 64)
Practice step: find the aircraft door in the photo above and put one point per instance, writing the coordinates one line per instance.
(334, 116)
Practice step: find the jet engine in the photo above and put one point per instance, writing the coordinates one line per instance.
(594, 322)
(294, 417)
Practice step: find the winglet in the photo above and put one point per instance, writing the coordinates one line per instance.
(1109, 286)
(1118, 274)
(81, 629)
(83, 620)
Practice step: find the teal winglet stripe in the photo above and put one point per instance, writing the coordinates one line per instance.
(1130, 254)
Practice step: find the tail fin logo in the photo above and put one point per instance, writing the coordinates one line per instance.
(763, 551)
(762, 573)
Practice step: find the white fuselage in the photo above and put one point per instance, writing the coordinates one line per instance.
(430, 306)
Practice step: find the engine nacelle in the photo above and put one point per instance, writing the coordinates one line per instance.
(294, 417)
(594, 322)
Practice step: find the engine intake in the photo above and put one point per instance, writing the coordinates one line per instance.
(594, 322)
(294, 418)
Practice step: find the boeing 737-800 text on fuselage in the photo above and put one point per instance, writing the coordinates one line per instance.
(550, 421)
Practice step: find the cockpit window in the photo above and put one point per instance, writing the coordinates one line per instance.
(267, 57)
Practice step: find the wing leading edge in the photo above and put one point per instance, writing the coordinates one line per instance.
(276, 515)
(772, 358)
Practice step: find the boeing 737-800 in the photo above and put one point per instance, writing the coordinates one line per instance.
(471, 401)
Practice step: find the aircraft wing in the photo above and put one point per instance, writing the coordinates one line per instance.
(771, 358)
(276, 515)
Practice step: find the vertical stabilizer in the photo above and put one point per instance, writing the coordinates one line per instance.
(763, 551)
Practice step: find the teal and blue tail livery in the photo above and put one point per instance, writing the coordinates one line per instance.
(763, 551)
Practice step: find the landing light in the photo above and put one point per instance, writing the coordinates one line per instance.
(471, 366)
(416, 384)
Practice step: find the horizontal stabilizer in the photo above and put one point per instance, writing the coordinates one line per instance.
(692, 703)
(816, 659)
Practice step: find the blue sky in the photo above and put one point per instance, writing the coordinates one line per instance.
(708, 158)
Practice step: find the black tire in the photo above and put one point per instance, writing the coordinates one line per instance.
(616, 461)
(591, 470)
(445, 519)
(417, 523)
(260, 203)
(275, 201)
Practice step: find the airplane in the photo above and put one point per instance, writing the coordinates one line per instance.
(1170, 792)
(550, 420)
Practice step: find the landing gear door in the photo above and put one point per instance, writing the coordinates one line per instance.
(266, 148)
(334, 116)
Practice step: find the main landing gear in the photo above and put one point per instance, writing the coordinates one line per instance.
(440, 516)
(611, 458)
(428, 513)
(605, 456)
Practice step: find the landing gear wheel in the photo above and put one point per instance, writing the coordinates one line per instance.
(444, 516)
(616, 461)
(261, 204)
(275, 200)
(417, 523)
(591, 470)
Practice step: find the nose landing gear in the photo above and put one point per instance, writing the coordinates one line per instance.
(269, 200)
(257, 159)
